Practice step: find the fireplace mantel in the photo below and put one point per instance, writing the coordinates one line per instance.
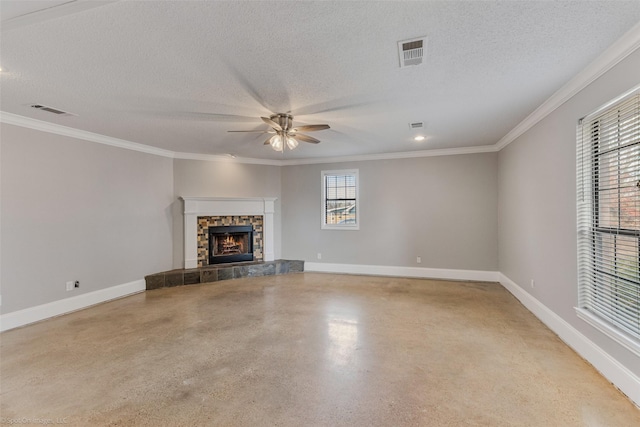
(220, 206)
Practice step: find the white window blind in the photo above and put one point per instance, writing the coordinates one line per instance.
(608, 181)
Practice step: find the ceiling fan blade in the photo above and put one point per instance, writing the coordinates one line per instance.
(268, 141)
(246, 84)
(331, 106)
(311, 128)
(306, 138)
(198, 115)
(219, 117)
(258, 131)
(271, 123)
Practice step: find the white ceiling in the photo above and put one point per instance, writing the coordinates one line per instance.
(178, 75)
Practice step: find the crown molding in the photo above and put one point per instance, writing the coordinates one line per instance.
(391, 156)
(619, 50)
(27, 122)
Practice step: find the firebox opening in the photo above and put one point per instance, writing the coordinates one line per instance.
(230, 244)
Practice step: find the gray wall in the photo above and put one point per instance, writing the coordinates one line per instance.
(537, 204)
(443, 209)
(76, 210)
(196, 178)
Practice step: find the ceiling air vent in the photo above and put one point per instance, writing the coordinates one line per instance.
(412, 51)
(51, 110)
(416, 125)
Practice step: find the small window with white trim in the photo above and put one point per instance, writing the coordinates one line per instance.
(608, 166)
(340, 200)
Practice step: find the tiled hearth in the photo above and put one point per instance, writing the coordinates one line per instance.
(215, 273)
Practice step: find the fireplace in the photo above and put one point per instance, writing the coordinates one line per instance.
(200, 212)
(230, 244)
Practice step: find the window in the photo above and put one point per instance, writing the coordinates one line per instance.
(608, 181)
(340, 200)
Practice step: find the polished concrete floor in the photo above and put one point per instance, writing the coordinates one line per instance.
(305, 350)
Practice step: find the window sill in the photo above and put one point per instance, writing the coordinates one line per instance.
(609, 330)
(340, 227)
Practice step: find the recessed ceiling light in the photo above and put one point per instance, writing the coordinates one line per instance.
(419, 138)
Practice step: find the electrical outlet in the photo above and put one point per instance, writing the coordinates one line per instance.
(319, 255)
(533, 283)
(419, 260)
(70, 286)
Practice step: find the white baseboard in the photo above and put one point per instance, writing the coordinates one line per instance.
(19, 318)
(610, 368)
(387, 270)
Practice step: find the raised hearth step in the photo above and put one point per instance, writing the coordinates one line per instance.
(217, 272)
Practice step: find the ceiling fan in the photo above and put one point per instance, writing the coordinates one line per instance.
(282, 126)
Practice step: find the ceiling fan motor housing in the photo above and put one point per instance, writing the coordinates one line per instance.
(284, 120)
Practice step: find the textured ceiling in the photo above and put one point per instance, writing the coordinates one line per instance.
(177, 75)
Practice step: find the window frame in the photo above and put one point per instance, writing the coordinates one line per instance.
(323, 201)
(597, 311)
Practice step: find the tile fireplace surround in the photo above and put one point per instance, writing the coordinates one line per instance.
(221, 206)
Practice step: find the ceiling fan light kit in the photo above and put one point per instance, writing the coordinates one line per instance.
(276, 142)
(291, 143)
(282, 126)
